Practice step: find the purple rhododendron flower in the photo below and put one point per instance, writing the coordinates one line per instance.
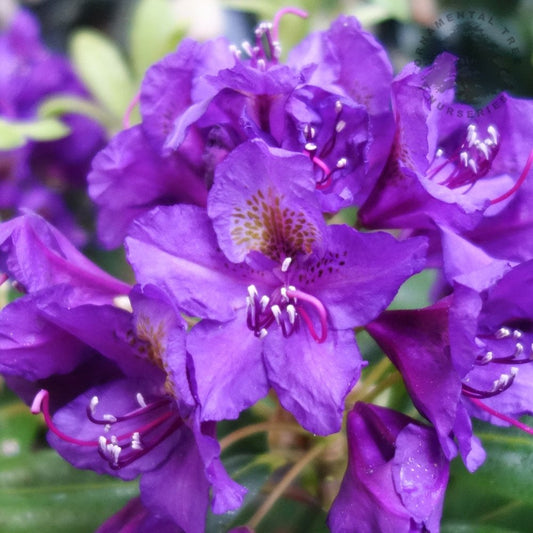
(35, 175)
(396, 476)
(119, 399)
(135, 173)
(279, 291)
(450, 164)
(469, 353)
(349, 62)
(202, 101)
(417, 342)
(41, 261)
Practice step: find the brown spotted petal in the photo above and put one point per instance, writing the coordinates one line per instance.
(263, 200)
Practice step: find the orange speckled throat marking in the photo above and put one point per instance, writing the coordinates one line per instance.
(271, 228)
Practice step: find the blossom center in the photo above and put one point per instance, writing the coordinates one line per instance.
(124, 437)
(469, 163)
(506, 346)
(318, 154)
(286, 307)
(266, 49)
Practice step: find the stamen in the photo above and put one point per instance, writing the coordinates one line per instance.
(340, 126)
(286, 264)
(140, 400)
(264, 302)
(93, 403)
(319, 163)
(471, 136)
(136, 441)
(285, 11)
(487, 358)
(483, 148)
(326, 181)
(518, 183)
(3, 278)
(318, 306)
(471, 161)
(291, 311)
(235, 51)
(493, 132)
(247, 47)
(502, 333)
(41, 404)
(502, 416)
(126, 119)
(252, 291)
(276, 311)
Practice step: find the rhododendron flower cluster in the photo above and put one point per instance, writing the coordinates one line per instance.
(229, 197)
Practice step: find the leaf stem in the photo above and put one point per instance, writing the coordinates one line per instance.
(390, 380)
(247, 431)
(284, 484)
(368, 382)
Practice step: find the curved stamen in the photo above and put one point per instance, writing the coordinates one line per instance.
(469, 162)
(326, 181)
(137, 452)
(502, 416)
(518, 183)
(41, 404)
(126, 119)
(136, 443)
(320, 309)
(132, 414)
(282, 12)
(3, 278)
(500, 385)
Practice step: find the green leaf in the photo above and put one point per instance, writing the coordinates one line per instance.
(57, 106)
(10, 136)
(18, 427)
(498, 496)
(14, 134)
(154, 33)
(41, 492)
(377, 11)
(101, 66)
(415, 292)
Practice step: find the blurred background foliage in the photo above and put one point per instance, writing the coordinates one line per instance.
(111, 43)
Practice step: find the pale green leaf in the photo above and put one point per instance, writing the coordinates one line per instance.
(416, 291)
(46, 129)
(154, 33)
(14, 134)
(10, 136)
(101, 66)
(56, 106)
